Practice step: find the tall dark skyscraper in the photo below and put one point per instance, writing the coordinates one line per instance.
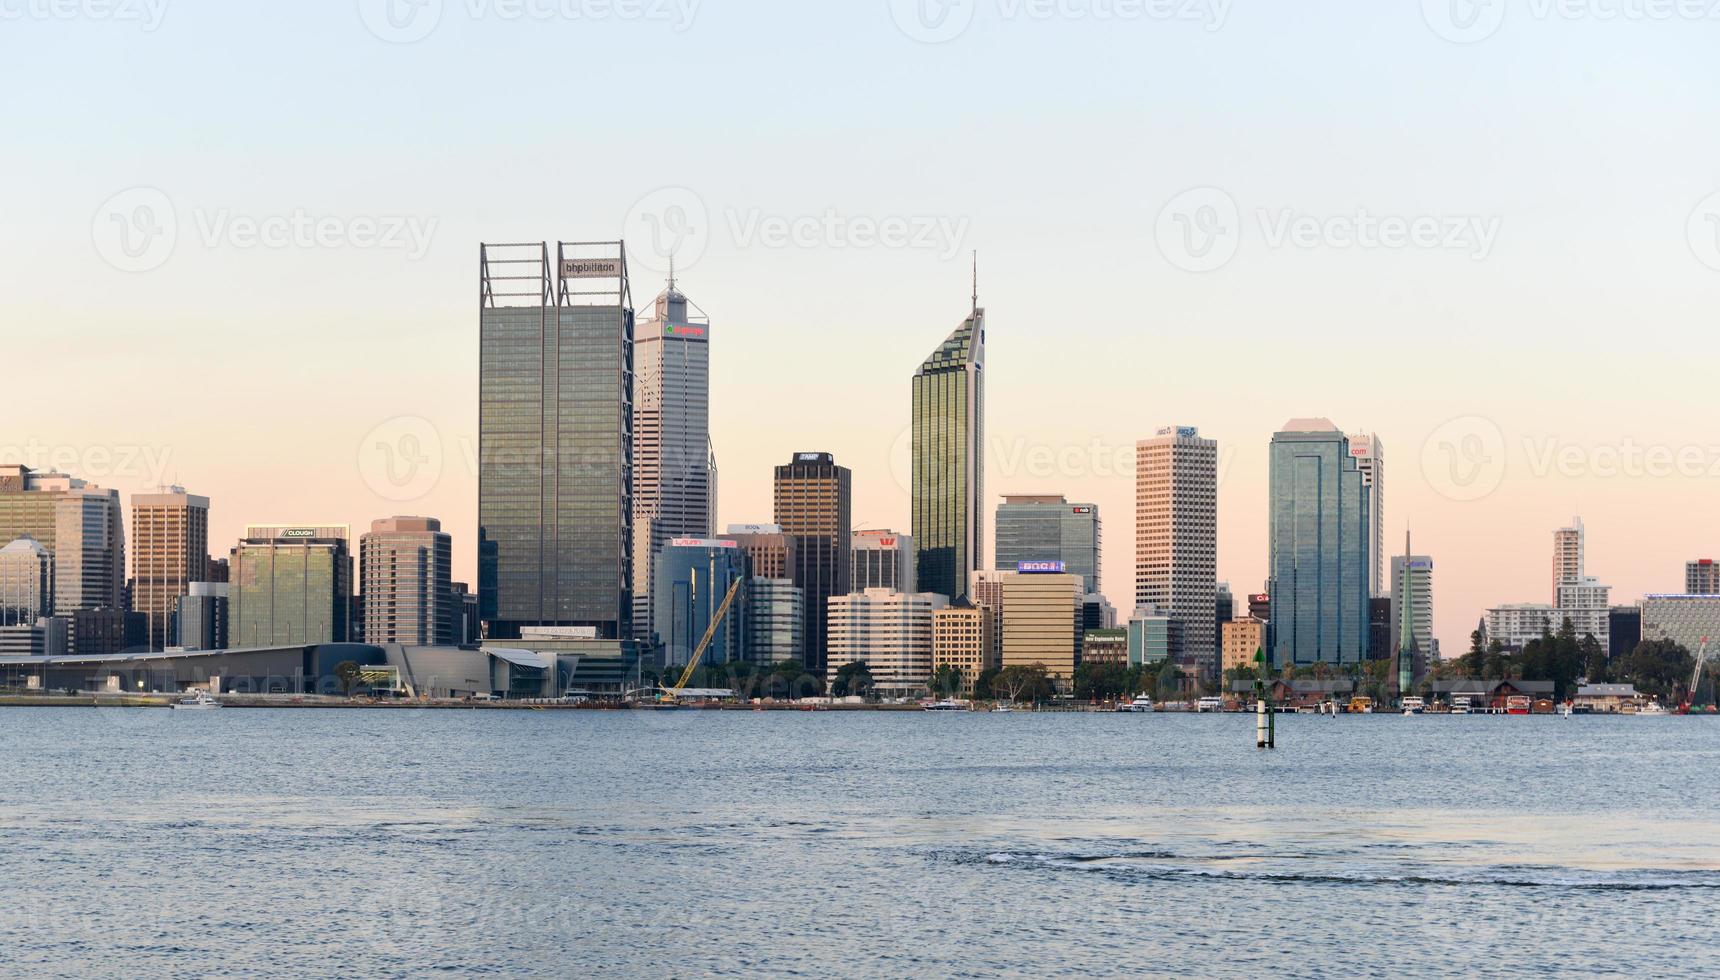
(555, 438)
(1318, 558)
(814, 506)
(949, 461)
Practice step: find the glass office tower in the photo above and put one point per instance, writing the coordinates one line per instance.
(1318, 557)
(555, 438)
(1039, 528)
(949, 461)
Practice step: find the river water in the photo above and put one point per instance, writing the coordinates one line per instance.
(394, 843)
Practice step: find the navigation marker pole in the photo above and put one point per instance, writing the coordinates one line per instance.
(1265, 721)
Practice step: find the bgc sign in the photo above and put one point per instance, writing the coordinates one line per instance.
(1039, 567)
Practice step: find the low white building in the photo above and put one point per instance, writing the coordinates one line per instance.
(1515, 624)
(890, 631)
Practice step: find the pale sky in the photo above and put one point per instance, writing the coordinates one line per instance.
(241, 243)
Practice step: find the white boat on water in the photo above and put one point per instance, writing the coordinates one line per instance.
(1209, 704)
(1002, 707)
(1414, 706)
(1460, 706)
(1653, 709)
(1141, 703)
(201, 701)
(947, 704)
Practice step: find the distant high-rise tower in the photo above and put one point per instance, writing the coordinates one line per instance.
(1370, 456)
(1412, 603)
(1318, 547)
(169, 551)
(880, 559)
(1567, 556)
(406, 581)
(814, 507)
(291, 585)
(1702, 577)
(1047, 527)
(674, 466)
(1176, 537)
(948, 440)
(555, 438)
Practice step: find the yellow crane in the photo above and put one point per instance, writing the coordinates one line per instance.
(674, 693)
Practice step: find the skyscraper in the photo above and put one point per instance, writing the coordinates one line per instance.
(291, 585)
(1176, 537)
(406, 581)
(26, 582)
(1318, 547)
(555, 438)
(80, 526)
(770, 551)
(169, 551)
(674, 467)
(948, 446)
(1412, 603)
(1702, 577)
(1567, 556)
(881, 560)
(1370, 456)
(814, 507)
(1047, 527)
(694, 576)
(1579, 598)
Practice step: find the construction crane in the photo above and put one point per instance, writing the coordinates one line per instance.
(674, 692)
(1695, 677)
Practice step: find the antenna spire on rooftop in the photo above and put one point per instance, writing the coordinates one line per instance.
(976, 282)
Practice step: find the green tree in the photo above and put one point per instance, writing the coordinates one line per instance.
(983, 688)
(852, 678)
(1168, 681)
(946, 682)
(1018, 681)
(1659, 668)
(1100, 681)
(1474, 663)
(349, 673)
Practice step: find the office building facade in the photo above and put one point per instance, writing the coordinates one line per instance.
(406, 581)
(814, 507)
(1624, 631)
(1154, 637)
(770, 551)
(26, 582)
(1412, 601)
(1370, 456)
(674, 465)
(1240, 640)
(1047, 527)
(1176, 537)
(169, 551)
(203, 617)
(1318, 547)
(948, 458)
(890, 631)
(555, 438)
(1687, 620)
(776, 621)
(962, 640)
(881, 560)
(290, 585)
(1042, 621)
(694, 578)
